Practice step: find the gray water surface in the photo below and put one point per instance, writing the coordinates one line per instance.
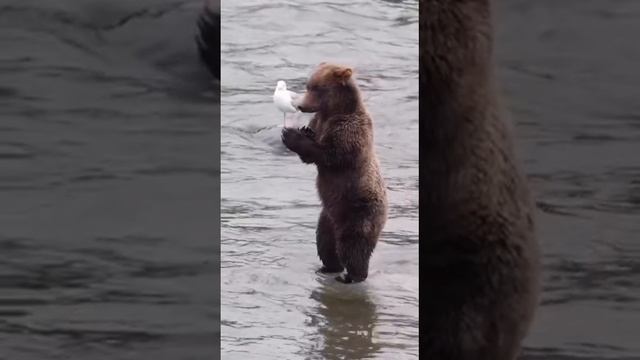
(274, 305)
(569, 72)
(109, 182)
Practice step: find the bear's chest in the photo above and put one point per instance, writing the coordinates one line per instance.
(321, 131)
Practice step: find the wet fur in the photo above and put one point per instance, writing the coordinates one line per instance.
(480, 272)
(208, 39)
(339, 141)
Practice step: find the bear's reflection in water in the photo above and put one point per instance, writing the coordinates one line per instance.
(344, 318)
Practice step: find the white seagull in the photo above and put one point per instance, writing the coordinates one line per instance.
(283, 99)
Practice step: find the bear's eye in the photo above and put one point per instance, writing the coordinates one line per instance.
(316, 88)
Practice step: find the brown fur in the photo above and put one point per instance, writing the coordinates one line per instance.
(339, 141)
(480, 272)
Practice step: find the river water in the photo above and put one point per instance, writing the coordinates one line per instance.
(274, 305)
(109, 182)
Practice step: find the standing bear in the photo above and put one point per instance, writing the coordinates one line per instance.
(339, 141)
(479, 273)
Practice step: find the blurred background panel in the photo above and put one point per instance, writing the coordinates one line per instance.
(109, 182)
(568, 70)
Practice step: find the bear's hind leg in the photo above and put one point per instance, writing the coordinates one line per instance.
(326, 244)
(355, 247)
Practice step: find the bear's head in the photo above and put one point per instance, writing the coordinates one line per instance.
(331, 90)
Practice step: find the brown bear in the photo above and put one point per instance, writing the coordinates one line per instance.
(339, 141)
(480, 270)
(208, 39)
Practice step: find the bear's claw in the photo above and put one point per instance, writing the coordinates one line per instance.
(347, 279)
(308, 132)
(326, 270)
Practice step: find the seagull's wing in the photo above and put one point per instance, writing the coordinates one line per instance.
(284, 102)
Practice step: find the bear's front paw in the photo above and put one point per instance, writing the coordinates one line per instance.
(308, 132)
(293, 138)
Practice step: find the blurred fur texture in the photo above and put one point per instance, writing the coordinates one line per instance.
(208, 39)
(480, 273)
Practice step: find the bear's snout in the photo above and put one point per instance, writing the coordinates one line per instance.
(304, 109)
(302, 103)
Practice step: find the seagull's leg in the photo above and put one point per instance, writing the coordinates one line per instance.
(284, 119)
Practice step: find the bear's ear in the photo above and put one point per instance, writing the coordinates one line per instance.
(343, 75)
